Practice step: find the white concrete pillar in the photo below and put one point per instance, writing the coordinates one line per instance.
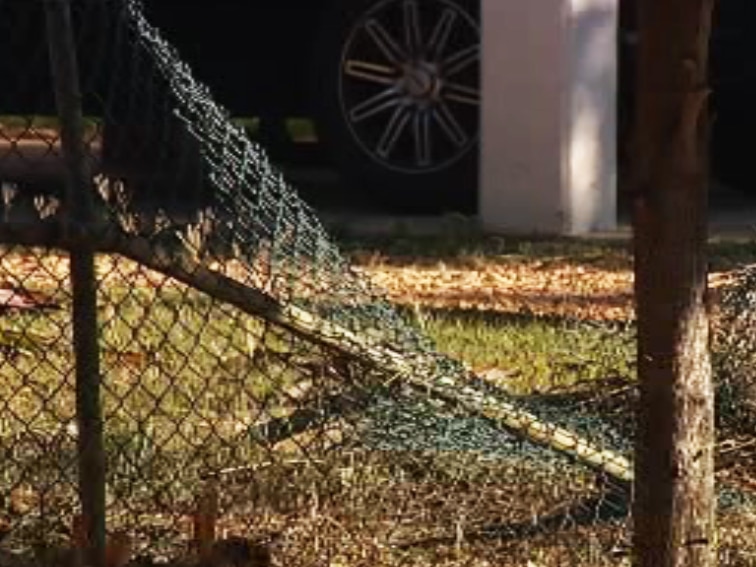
(548, 138)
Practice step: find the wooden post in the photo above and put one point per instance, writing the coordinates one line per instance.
(674, 483)
(78, 210)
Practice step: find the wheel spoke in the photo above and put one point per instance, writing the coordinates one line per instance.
(383, 40)
(371, 72)
(440, 35)
(461, 59)
(450, 125)
(375, 104)
(412, 35)
(461, 93)
(423, 141)
(405, 90)
(394, 129)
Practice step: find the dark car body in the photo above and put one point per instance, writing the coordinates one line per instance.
(254, 55)
(280, 59)
(260, 58)
(733, 80)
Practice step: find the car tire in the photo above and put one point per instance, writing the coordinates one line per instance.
(396, 100)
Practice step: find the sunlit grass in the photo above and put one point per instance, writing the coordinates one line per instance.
(13, 124)
(299, 129)
(460, 242)
(531, 354)
(185, 377)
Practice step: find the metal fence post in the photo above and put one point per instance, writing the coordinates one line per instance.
(79, 218)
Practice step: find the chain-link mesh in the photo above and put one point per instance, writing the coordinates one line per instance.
(259, 397)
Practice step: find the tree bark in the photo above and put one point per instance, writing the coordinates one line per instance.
(673, 509)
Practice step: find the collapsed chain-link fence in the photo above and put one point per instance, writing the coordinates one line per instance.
(261, 402)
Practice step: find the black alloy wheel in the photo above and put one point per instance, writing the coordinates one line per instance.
(398, 97)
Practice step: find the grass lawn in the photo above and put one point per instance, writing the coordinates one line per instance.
(187, 379)
(544, 310)
(299, 130)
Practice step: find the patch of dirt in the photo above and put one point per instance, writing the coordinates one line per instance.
(536, 288)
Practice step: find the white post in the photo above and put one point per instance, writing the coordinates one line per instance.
(548, 139)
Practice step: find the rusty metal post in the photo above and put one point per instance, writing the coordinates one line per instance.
(91, 459)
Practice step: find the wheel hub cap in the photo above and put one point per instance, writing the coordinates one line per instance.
(420, 82)
(409, 80)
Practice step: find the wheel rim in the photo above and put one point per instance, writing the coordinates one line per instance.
(409, 83)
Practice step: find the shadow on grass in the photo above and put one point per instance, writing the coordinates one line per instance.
(522, 319)
(458, 242)
(462, 246)
(611, 506)
(558, 305)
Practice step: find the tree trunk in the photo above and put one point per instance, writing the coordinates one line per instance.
(674, 493)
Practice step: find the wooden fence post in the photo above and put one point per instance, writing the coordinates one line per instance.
(78, 214)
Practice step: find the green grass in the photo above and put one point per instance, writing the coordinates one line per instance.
(533, 354)
(180, 371)
(183, 373)
(459, 241)
(459, 238)
(184, 380)
(42, 122)
(299, 130)
(179, 337)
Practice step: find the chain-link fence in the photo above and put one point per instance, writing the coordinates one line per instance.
(192, 372)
